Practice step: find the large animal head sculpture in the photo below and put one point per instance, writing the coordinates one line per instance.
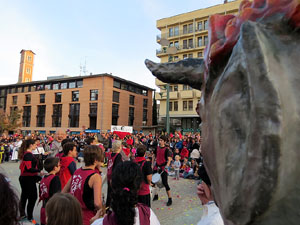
(250, 110)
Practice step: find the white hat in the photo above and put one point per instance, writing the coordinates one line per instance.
(195, 154)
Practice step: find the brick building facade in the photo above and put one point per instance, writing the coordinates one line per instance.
(78, 103)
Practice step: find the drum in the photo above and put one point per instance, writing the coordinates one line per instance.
(156, 179)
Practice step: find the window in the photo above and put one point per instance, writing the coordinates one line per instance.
(14, 100)
(170, 106)
(200, 54)
(175, 87)
(191, 43)
(64, 85)
(115, 114)
(117, 84)
(56, 116)
(27, 99)
(93, 115)
(116, 96)
(72, 84)
(199, 26)
(28, 70)
(79, 83)
(185, 29)
(58, 97)
(131, 116)
(176, 58)
(175, 106)
(171, 44)
(32, 88)
(42, 98)
(186, 87)
(40, 87)
(145, 103)
(26, 116)
(184, 106)
(131, 88)
(2, 102)
(27, 79)
(200, 42)
(176, 31)
(29, 58)
(190, 55)
(47, 86)
(184, 56)
(26, 88)
(145, 112)
(205, 25)
(185, 45)
(145, 92)
(205, 40)
(55, 86)
(20, 89)
(2, 92)
(12, 109)
(190, 28)
(170, 59)
(75, 96)
(124, 86)
(94, 95)
(190, 105)
(40, 117)
(131, 100)
(74, 115)
(170, 88)
(176, 44)
(93, 109)
(171, 34)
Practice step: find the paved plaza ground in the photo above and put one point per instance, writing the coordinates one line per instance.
(185, 210)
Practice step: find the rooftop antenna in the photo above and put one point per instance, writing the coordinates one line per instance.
(84, 70)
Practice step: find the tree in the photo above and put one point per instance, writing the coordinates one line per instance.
(154, 111)
(10, 122)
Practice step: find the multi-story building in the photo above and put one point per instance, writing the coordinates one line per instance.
(185, 36)
(78, 103)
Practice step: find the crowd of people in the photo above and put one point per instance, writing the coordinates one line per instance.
(131, 164)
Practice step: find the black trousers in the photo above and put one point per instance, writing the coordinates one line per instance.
(28, 195)
(164, 179)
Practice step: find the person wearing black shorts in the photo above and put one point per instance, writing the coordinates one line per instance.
(163, 158)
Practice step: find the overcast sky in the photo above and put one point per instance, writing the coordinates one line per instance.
(113, 36)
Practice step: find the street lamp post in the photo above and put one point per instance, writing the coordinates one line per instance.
(167, 88)
(168, 109)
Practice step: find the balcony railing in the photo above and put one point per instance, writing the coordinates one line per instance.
(164, 50)
(179, 33)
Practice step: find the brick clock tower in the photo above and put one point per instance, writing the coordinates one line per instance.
(26, 66)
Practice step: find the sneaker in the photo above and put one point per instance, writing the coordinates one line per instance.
(155, 197)
(169, 202)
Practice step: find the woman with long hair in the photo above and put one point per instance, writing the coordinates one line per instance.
(9, 206)
(63, 209)
(30, 175)
(86, 183)
(126, 182)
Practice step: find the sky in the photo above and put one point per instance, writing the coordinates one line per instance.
(108, 36)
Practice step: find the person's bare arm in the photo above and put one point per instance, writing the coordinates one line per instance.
(149, 178)
(95, 182)
(67, 187)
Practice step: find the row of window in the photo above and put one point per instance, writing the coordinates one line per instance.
(74, 113)
(188, 28)
(186, 106)
(116, 98)
(185, 87)
(42, 87)
(115, 115)
(57, 97)
(175, 58)
(130, 87)
(189, 43)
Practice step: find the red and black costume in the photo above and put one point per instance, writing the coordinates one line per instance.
(81, 190)
(144, 192)
(67, 169)
(28, 179)
(161, 155)
(49, 185)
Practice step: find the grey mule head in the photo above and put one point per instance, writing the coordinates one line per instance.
(251, 124)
